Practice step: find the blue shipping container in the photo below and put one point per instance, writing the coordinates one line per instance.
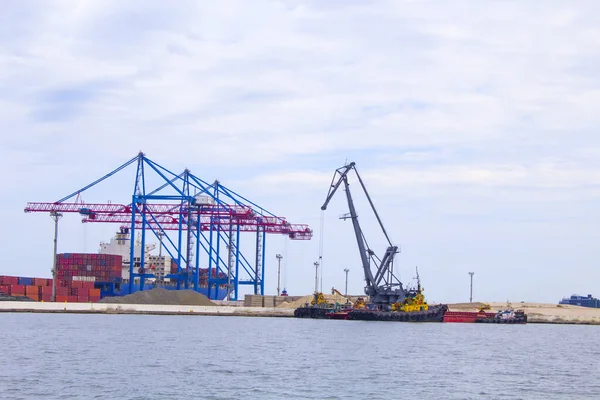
(25, 281)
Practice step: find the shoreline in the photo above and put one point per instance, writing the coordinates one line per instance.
(142, 309)
(536, 313)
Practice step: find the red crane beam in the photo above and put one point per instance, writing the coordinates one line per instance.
(148, 208)
(171, 223)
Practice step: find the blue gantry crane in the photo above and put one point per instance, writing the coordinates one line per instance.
(205, 219)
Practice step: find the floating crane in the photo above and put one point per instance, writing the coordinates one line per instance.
(383, 287)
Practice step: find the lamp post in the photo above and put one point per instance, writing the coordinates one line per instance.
(316, 264)
(471, 292)
(55, 216)
(279, 257)
(346, 270)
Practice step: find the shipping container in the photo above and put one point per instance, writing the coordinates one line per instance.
(83, 299)
(72, 299)
(94, 299)
(33, 296)
(17, 290)
(41, 282)
(32, 290)
(9, 280)
(94, 293)
(5, 289)
(25, 281)
(87, 285)
(61, 299)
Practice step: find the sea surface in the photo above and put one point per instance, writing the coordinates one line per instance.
(66, 356)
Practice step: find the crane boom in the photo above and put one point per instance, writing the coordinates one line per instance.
(384, 288)
(362, 247)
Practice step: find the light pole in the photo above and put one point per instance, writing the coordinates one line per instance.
(279, 257)
(55, 216)
(471, 292)
(316, 276)
(346, 270)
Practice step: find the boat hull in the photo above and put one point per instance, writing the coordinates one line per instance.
(434, 314)
(465, 316)
(312, 312)
(482, 318)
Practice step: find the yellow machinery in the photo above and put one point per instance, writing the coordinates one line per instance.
(335, 291)
(360, 303)
(484, 307)
(414, 301)
(318, 299)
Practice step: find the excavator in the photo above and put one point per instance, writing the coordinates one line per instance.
(318, 300)
(360, 303)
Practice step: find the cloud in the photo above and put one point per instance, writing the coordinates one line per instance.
(442, 106)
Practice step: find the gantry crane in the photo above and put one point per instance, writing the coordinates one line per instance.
(383, 287)
(199, 214)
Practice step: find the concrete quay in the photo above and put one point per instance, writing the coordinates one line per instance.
(152, 309)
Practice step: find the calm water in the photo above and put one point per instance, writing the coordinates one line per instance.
(58, 356)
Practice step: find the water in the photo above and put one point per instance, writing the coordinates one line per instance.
(60, 356)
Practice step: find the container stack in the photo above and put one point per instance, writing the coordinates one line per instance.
(203, 274)
(72, 267)
(38, 289)
(77, 274)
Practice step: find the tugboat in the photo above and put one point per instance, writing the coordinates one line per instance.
(413, 308)
(507, 316)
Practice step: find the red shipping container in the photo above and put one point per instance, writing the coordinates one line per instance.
(94, 299)
(17, 290)
(46, 298)
(94, 293)
(10, 280)
(5, 289)
(46, 290)
(61, 299)
(87, 285)
(35, 296)
(72, 299)
(62, 291)
(32, 290)
(75, 284)
(83, 299)
(43, 282)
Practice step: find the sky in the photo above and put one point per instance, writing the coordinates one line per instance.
(474, 125)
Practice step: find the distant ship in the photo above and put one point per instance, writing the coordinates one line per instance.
(583, 301)
(162, 267)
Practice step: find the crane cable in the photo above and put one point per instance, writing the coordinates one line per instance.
(322, 227)
(285, 256)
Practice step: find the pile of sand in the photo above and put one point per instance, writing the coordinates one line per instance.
(162, 296)
(467, 306)
(331, 298)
